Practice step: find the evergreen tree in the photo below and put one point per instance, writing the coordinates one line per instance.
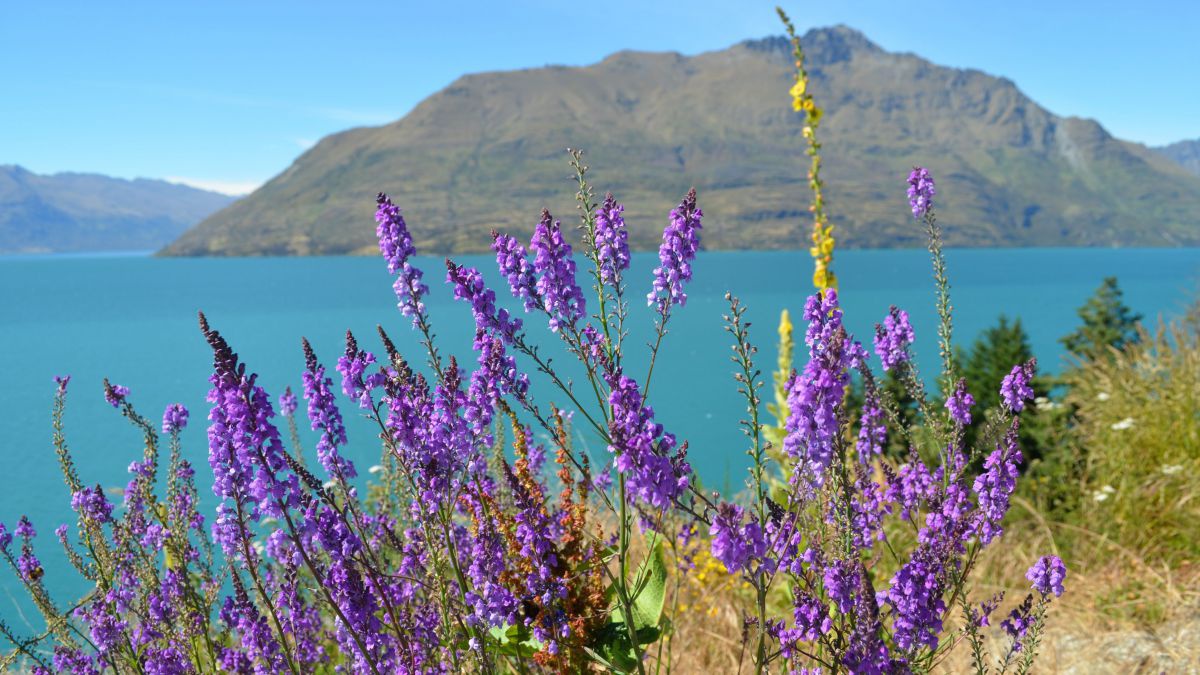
(991, 357)
(1107, 322)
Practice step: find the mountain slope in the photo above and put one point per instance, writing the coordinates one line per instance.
(89, 212)
(489, 152)
(1183, 153)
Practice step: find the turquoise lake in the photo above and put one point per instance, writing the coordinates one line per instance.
(133, 319)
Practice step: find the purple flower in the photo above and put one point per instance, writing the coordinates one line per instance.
(612, 240)
(325, 417)
(1019, 621)
(959, 404)
(643, 451)
(841, 583)
(287, 402)
(994, 486)
(114, 393)
(921, 191)
(62, 381)
(5, 537)
(489, 320)
(680, 241)
(736, 544)
(915, 596)
(561, 296)
(353, 365)
(25, 529)
(513, 261)
(893, 338)
(815, 395)
(872, 433)
(244, 449)
(1015, 389)
(497, 376)
(396, 245)
(1047, 575)
(92, 504)
(175, 418)
(811, 616)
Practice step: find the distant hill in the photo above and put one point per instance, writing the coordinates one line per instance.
(488, 152)
(88, 212)
(1183, 153)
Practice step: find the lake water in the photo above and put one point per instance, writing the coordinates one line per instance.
(133, 319)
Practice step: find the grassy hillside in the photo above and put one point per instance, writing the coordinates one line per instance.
(489, 150)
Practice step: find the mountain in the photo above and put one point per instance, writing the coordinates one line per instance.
(88, 212)
(1183, 153)
(488, 151)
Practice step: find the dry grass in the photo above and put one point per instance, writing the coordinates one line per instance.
(1091, 629)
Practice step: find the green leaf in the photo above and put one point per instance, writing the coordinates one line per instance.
(514, 641)
(651, 590)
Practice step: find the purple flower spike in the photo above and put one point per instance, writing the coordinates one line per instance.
(893, 338)
(561, 296)
(92, 504)
(680, 241)
(815, 395)
(612, 240)
(643, 451)
(114, 393)
(736, 544)
(396, 245)
(175, 418)
(468, 285)
(959, 404)
(513, 261)
(921, 191)
(1047, 575)
(244, 449)
(1015, 389)
(62, 381)
(995, 485)
(325, 417)
(287, 402)
(353, 366)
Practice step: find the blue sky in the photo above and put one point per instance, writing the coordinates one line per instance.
(227, 94)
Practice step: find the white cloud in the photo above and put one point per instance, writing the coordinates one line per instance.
(233, 188)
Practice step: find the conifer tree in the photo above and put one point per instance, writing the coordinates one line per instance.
(1107, 322)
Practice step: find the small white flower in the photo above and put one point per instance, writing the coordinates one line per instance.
(1102, 396)
(1108, 489)
(1124, 424)
(1099, 496)
(1043, 403)
(1169, 469)
(375, 469)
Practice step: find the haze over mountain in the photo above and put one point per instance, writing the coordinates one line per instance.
(68, 212)
(1183, 153)
(488, 152)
